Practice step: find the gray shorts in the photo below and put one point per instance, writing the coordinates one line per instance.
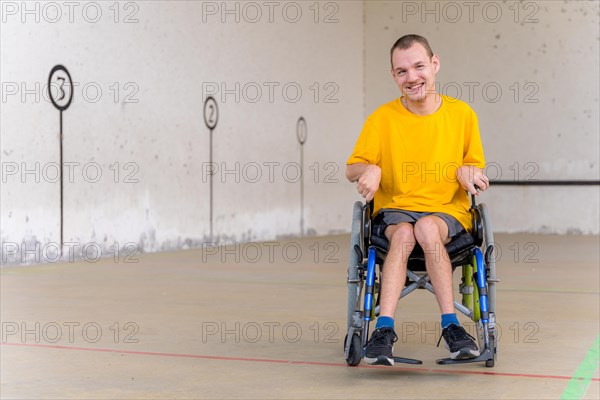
(390, 216)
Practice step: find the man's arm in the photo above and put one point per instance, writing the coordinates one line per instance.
(470, 176)
(367, 178)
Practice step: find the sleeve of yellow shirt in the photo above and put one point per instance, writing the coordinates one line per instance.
(367, 149)
(473, 151)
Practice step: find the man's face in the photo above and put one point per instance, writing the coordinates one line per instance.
(414, 72)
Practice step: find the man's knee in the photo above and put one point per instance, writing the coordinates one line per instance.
(430, 229)
(401, 236)
(432, 234)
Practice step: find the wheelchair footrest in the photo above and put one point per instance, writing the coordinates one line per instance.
(407, 360)
(487, 354)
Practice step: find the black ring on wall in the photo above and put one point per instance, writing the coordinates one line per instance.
(211, 100)
(52, 71)
(302, 135)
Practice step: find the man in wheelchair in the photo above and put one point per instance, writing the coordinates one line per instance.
(418, 157)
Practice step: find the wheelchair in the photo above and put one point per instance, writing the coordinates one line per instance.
(473, 252)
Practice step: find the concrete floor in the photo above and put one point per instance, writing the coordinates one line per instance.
(270, 325)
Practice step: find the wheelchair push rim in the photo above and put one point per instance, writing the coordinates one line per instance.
(353, 275)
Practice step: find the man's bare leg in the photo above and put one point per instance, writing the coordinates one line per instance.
(402, 241)
(379, 350)
(432, 234)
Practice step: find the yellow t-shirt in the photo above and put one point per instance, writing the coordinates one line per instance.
(419, 156)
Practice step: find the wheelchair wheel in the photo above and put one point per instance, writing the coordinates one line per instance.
(490, 262)
(488, 240)
(355, 354)
(353, 284)
(494, 344)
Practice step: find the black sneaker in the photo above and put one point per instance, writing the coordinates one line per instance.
(380, 347)
(462, 346)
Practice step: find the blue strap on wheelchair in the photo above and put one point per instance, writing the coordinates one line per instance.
(370, 283)
(481, 285)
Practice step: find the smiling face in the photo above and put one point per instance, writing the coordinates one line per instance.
(414, 73)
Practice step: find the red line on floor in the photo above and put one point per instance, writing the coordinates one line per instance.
(266, 360)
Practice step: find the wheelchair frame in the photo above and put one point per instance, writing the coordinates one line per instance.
(478, 286)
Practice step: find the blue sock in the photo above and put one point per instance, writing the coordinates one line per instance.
(385, 322)
(448, 319)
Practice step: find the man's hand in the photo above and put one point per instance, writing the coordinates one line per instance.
(469, 176)
(367, 178)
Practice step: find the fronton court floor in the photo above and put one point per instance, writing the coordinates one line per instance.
(267, 321)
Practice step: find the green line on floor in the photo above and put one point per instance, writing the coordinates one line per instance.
(581, 380)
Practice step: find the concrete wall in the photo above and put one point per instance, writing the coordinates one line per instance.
(530, 71)
(142, 71)
(137, 150)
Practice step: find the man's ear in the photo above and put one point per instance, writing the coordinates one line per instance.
(435, 60)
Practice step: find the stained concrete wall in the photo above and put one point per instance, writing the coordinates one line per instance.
(137, 150)
(135, 143)
(530, 71)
